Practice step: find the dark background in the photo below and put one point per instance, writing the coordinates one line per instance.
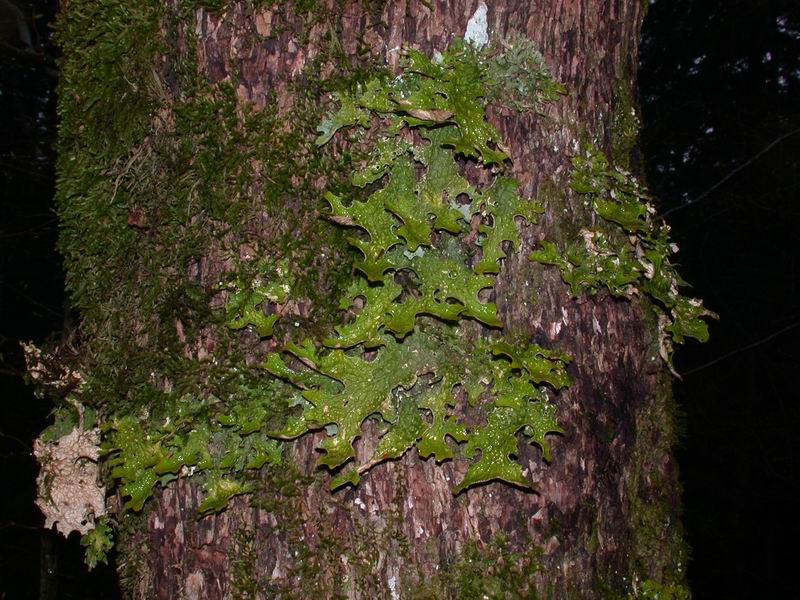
(720, 97)
(720, 100)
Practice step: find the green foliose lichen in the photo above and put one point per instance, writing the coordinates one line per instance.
(388, 361)
(628, 257)
(98, 543)
(250, 297)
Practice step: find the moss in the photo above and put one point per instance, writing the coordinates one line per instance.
(103, 115)
(132, 564)
(625, 125)
(244, 581)
(660, 552)
(654, 566)
(158, 168)
(648, 589)
(153, 176)
(316, 568)
(493, 571)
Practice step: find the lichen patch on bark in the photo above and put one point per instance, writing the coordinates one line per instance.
(69, 494)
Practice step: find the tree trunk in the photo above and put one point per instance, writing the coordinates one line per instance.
(604, 518)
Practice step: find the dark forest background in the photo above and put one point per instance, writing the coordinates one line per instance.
(720, 148)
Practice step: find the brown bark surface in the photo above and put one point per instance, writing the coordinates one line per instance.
(390, 537)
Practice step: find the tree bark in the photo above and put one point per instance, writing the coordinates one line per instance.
(605, 514)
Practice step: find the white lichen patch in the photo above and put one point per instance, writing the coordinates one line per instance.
(555, 328)
(477, 27)
(68, 493)
(393, 587)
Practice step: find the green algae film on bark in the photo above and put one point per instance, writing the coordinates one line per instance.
(402, 525)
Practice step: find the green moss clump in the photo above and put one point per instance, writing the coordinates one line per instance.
(654, 526)
(652, 590)
(244, 584)
(105, 110)
(492, 571)
(625, 125)
(158, 168)
(649, 589)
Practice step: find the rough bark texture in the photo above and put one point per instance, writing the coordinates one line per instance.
(606, 507)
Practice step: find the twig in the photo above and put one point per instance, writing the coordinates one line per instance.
(732, 173)
(743, 348)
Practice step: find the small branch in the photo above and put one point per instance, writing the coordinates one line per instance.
(743, 348)
(44, 226)
(16, 439)
(22, 294)
(27, 172)
(747, 163)
(12, 373)
(10, 524)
